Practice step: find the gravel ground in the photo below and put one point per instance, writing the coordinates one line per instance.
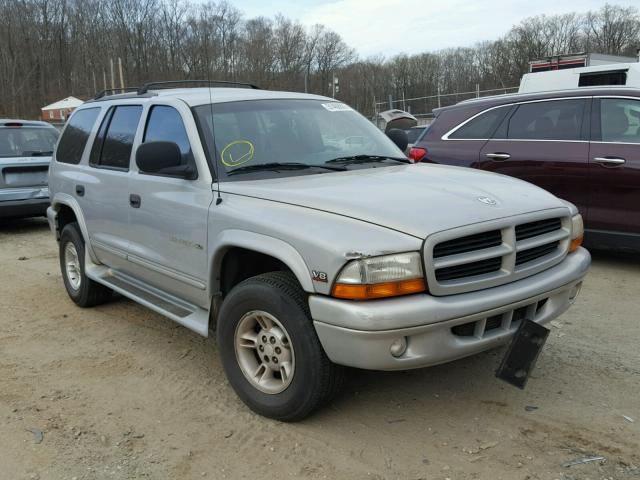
(118, 392)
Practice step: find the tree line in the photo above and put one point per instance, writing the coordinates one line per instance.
(50, 49)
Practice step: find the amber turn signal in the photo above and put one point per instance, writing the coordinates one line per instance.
(575, 243)
(378, 290)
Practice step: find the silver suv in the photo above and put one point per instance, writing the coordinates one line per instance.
(300, 232)
(25, 152)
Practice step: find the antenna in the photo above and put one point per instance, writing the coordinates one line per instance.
(213, 131)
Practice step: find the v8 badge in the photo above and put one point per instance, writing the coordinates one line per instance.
(318, 276)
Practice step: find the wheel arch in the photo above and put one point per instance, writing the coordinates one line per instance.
(64, 205)
(231, 240)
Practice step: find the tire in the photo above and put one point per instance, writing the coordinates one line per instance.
(275, 297)
(82, 290)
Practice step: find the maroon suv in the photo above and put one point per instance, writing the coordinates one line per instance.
(583, 145)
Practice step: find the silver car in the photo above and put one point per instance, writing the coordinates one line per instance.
(25, 152)
(297, 231)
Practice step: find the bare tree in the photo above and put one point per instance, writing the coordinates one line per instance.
(51, 49)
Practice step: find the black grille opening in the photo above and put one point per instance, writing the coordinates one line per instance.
(468, 244)
(519, 314)
(469, 269)
(541, 304)
(536, 252)
(468, 329)
(533, 229)
(493, 322)
(464, 330)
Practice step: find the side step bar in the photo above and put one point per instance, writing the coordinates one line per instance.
(186, 314)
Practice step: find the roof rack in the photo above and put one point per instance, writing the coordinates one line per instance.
(114, 91)
(168, 83)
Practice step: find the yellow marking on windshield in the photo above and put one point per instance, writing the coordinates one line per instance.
(243, 148)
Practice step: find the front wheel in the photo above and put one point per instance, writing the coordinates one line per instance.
(270, 351)
(82, 290)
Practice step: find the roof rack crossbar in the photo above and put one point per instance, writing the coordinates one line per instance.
(114, 91)
(167, 83)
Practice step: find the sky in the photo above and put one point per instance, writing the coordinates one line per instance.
(390, 27)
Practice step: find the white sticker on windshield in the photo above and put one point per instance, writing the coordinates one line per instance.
(337, 107)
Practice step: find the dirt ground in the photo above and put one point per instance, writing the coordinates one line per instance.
(119, 392)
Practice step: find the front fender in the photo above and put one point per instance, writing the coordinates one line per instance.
(263, 244)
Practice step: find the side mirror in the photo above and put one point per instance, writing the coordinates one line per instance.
(163, 158)
(399, 137)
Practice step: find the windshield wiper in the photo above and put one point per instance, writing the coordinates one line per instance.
(366, 159)
(281, 166)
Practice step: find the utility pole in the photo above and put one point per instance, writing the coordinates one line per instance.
(121, 76)
(113, 78)
(95, 86)
(104, 78)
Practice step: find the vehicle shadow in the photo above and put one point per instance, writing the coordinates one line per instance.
(23, 225)
(616, 258)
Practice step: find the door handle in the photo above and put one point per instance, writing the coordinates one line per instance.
(80, 190)
(498, 156)
(135, 200)
(609, 161)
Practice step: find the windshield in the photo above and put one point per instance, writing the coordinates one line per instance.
(27, 141)
(255, 138)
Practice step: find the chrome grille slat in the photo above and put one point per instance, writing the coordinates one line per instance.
(470, 257)
(541, 240)
(496, 252)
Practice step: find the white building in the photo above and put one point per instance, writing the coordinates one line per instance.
(60, 110)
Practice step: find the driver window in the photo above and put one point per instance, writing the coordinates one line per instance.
(165, 124)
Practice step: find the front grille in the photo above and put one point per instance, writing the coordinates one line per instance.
(503, 322)
(533, 229)
(536, 252)
(469, 269)
(493, 253)
(468, 244)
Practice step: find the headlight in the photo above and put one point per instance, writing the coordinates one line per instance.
(378, 277)
(577, 232)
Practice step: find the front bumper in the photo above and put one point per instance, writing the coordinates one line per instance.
(359, 334)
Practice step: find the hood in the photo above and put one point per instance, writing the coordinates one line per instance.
(415, 199)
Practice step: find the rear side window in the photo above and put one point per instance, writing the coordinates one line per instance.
(620, 120)
(481, 127)
(113, 144)
(75, 136)
(552, 120)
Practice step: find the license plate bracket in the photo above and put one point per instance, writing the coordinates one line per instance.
(522, 354)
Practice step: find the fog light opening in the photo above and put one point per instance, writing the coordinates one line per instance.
(398, 347)
(574, 292)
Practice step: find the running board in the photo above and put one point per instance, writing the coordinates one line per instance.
(186, 314)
